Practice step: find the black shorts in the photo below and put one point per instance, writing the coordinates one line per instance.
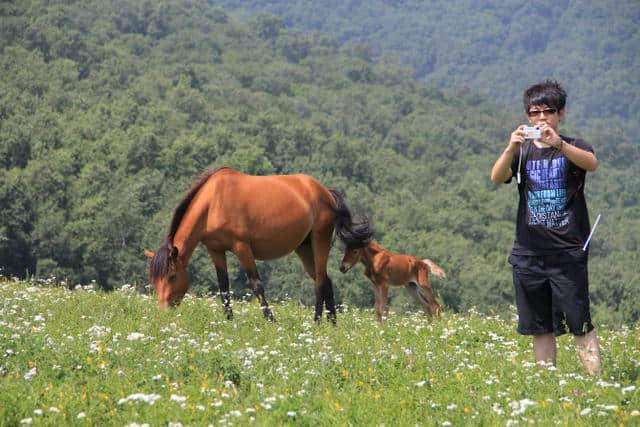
(552, 293)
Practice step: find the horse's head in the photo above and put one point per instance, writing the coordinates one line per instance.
(352, 255)
(168, 274)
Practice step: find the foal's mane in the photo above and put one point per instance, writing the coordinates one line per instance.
(160, 261)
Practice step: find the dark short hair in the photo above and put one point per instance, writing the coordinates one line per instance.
(550, 93)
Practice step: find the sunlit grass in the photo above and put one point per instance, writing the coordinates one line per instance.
(90, 358)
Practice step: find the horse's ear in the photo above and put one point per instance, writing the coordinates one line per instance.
(148, 253)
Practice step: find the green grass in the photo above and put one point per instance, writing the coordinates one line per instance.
(80, 357)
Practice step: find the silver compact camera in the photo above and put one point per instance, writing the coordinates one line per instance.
(531, 132)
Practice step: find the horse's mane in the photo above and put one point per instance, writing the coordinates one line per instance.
(160, 261)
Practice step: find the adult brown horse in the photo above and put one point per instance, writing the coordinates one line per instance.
(255, 217)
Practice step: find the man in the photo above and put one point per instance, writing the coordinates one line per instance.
(549, 264)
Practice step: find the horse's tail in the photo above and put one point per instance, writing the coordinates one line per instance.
(352, 231)
(434, 268)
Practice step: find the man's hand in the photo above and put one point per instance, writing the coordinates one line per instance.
(501, 170)
(516, 140)
(549, 136)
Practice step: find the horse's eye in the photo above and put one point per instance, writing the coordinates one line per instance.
(172, 278)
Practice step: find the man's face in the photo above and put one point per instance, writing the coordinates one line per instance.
(542, 113)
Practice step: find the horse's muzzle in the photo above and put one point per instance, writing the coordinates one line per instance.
(344, 268)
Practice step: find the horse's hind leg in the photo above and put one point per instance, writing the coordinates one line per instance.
(321, 243)
(305, 253)
(324, 292)
(412, 289)
(427, 295)
(248, 262)
(425, 292)
(220, 262)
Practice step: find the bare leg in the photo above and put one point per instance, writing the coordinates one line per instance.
(544, 348)
(589, 351)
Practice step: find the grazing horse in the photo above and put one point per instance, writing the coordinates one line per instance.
(255, 217)
(385, 268)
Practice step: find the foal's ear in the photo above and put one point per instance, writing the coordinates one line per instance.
(148, 253)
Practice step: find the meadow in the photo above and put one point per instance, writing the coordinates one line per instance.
(84, 357)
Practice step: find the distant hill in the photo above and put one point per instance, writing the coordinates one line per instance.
(495, 48)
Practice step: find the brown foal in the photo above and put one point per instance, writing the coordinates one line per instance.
(385, 268)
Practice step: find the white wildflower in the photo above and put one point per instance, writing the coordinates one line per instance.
(32, 373)
(146, 398)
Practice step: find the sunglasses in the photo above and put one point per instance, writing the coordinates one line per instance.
(547, 112)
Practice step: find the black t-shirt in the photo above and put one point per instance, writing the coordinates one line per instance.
(552, 212)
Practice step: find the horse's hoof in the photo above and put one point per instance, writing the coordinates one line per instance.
(268, 314)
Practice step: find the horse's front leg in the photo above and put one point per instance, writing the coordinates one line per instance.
(376, 296)
(383, 312)
(248, 262)
(220, 262)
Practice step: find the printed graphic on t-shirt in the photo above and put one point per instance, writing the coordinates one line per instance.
(547, 195)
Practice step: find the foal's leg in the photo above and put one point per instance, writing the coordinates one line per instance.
(248, 262)
(383, 312)
(376, 297)
(413, 291)
(426, 294)
(220, 262)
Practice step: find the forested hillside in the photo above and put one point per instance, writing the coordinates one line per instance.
(495, 47)
(110, 110)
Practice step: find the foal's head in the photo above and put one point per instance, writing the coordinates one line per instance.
(352, 255)
(168, 274)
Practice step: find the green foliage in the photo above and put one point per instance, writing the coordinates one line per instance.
(496, 48)
(110, 110)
